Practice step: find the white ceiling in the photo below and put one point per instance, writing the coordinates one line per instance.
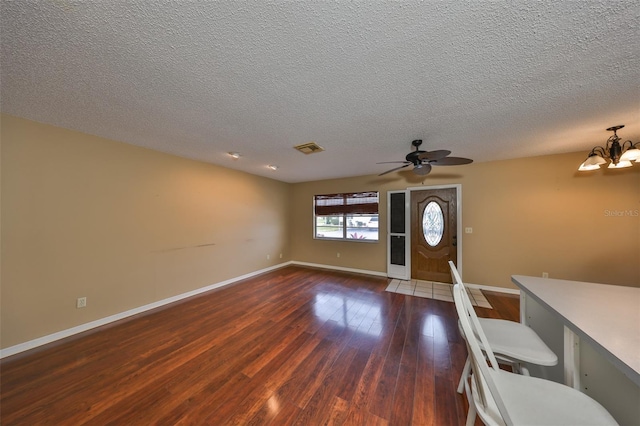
(486, 80)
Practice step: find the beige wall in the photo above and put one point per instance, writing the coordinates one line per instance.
(528, 216)
(122, 225)
(125, 226)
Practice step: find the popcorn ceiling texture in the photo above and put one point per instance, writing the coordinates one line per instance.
(486, 80)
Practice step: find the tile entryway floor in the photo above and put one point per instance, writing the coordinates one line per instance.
(433, 290)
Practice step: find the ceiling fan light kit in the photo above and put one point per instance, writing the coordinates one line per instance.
(620, 155)
(422, 169)
(423, 160)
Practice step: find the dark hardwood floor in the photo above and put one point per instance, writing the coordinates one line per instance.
(293, 346)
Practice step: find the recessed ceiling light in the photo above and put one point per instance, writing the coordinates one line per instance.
(234, 155)
(272, 167)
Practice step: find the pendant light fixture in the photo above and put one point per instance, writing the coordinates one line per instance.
(620, 155)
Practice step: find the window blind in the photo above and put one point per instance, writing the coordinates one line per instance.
(349, 203)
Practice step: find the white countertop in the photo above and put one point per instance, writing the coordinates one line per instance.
(606, 315)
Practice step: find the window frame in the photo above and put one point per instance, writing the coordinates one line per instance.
(345, 206)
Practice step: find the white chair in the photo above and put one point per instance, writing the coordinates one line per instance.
(503, 398)
(512, 342)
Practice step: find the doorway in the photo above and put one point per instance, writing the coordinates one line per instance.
(434, 233)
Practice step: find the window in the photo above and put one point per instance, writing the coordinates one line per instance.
(352, 216)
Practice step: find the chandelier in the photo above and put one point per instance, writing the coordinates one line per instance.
(620, 155)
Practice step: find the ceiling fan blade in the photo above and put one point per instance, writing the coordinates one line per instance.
(393, 170)
(388, 162)
(434, 155)
(451, 161)
(422, 169)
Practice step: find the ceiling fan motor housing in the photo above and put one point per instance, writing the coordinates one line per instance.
(413, 157)
(423, 160)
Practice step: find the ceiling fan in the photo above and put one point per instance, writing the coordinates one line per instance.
(423, 160)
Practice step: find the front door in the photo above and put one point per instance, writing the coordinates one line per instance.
(433, 234)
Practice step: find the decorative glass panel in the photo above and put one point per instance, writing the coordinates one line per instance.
(433, 223)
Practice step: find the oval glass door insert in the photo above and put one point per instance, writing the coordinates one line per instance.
(433, 223)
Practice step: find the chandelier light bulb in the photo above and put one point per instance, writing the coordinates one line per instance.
(620, 165)
(632, 154)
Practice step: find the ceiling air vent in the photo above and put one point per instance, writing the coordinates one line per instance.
(309, 148)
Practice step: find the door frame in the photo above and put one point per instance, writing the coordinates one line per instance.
(459, 233)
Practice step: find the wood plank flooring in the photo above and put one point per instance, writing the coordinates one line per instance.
(296, 346)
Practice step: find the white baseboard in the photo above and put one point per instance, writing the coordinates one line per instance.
(384, 274)
(31, 344)
(340, 268)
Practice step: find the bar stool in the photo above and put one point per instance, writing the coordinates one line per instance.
(512, 342)
(503, 398)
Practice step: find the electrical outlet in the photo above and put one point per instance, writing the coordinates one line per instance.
(280, 255)
(81, 302)
(468, 230)
(268, 256)
(338, 254)
(545, 275)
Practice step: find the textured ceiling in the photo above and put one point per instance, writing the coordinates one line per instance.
(486, 80)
